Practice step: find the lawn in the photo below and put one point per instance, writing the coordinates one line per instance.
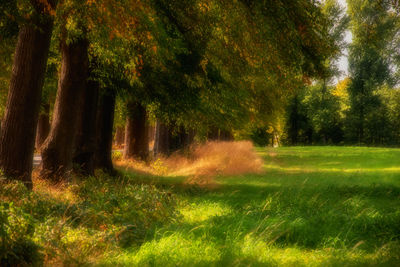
(312, 206)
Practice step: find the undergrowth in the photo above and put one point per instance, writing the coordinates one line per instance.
(76, 224)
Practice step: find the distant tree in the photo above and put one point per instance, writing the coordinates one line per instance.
(373, 25)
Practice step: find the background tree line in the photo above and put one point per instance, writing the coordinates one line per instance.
(363, 108)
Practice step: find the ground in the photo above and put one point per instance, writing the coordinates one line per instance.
(309, 206)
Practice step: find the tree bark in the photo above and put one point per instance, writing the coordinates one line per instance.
(43, 126)
(161, 140)
(86, 133)
(136, 132)
(119, 136)
(57, 151)
(17, 139)
(105, 121)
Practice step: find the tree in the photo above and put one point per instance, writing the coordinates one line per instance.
(17, 137)
(57, 152)
(136, 132)
(373, 26)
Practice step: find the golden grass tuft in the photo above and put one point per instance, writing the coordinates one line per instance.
(204, 162)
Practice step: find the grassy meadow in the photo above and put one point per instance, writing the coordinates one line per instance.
(310, 206)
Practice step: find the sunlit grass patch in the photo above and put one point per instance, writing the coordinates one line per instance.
(256, 252)
(172, 250)
(198, 212)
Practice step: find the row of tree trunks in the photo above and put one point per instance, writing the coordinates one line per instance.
(216, 134)
(104, 134)
(86, 133)
(166, 141)
(136, 132)
(17, 138)
(43, 126)
(57, 151)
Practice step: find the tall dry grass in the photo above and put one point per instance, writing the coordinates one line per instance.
(217, 158)
(206, 161)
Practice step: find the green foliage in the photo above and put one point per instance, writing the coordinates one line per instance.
(16, 237)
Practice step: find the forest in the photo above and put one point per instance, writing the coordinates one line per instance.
(199, 132)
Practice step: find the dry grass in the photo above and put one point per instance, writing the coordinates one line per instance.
(204, 162)
(60, 191)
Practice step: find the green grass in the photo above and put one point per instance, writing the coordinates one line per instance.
(312, 206)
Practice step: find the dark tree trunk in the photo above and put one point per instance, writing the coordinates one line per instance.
(86, 133)
(213, 134)
(105, 121)
(225, 135)
(43, 126)
(57, 151)
(119, 136)
(181, 139)
(17, 138)
(161, 139)
(136, 135)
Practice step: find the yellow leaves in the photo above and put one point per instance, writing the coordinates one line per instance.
(341, 88)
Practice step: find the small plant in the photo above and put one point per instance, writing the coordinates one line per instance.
(159, 167)
(116, 155)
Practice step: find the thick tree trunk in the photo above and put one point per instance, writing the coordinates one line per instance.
(17, 138)
(119, 136)
(43, 126)
(86, 133)
(161, 139)
(136, 135)
(57, 151)
(105, 121)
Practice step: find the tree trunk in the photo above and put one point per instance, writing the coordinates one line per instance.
(43, 126)
(181, 139)
(86, 134)
(17, 138)
(161, 139)
(136, 135)
(57, 151)
(105, 121)
(119, 136)
(213, 134)
(151, 132)
(225, 135)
